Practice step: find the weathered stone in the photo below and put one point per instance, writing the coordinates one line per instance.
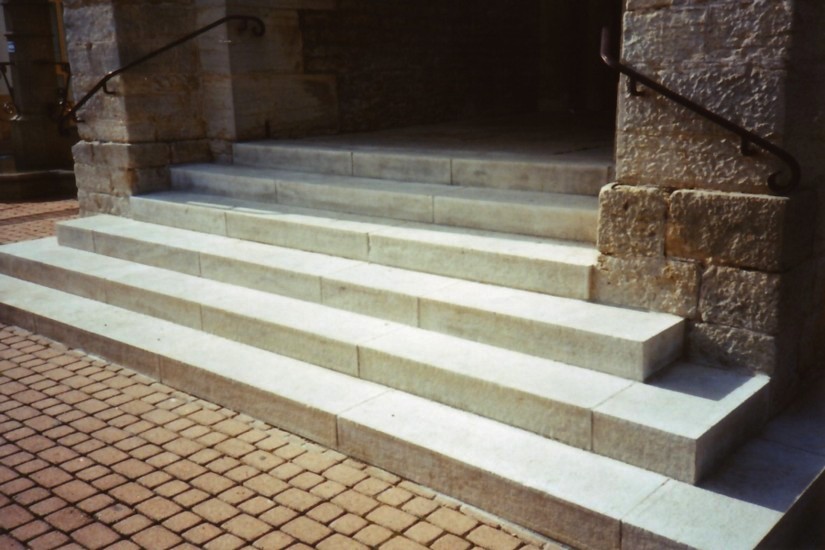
(689, 161)
(83, 152)
(190, 151)
(103, 203)
(652, 283)
(131, 155)
(632, 220)
(733, 347)
(740, 298)
(761, 232)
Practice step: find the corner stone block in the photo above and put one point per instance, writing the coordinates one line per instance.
(632, 220)
(740, 298)
(651, 283)
(760, 232)
(733, 347)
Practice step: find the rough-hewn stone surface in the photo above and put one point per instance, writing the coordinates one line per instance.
(632, 220)
(750, 231)
(400, 62)
(651, 283)
(731, 57)
(733, 347)
(740, 298)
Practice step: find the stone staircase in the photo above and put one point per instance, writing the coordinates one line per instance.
(425, 312)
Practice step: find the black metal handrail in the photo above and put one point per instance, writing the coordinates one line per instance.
(258, 30)
(748, 138)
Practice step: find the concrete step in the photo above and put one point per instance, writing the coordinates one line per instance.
(580, 498)
(695, 415)
(552, 215)
(560, 268)
(572, 175)
(627, 343)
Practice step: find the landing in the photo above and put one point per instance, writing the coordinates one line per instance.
(535, 136)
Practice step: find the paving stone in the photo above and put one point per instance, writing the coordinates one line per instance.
(74, 491)
(266, 485)
(236, 495)
(95, 535)
(328, 489)
(401, 543)
(182, 521)
(391, 518)
(278, 516)
(493, 539)
(215, 510)
(224, 542)
(274, 541)
(306, 530)
(68, 519)
(156, 537)
(355, 502)
(395, 496)
(14, 516)
(325, 512)
(202, 533)
(452, 521)
(423, 532)
(158, 508)
(246, 527)
(297, 499)
(373, 535)
(30, 530)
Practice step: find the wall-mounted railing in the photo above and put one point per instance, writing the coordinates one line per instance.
(71, 114)
(748, 138)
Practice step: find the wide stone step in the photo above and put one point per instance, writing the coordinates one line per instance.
(572, 175)
(623, 342)
(583, 499)
(552, 215)
(560, 268)
(681, 425)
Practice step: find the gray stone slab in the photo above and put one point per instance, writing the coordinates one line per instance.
(544, 397)
(551, 215)
(557, 490)
(532, 264)
(683, 516)
(627, 343)
(294, 157)
(682, 423)
(556, 177)
(402, 167)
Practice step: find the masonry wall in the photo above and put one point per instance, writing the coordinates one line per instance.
(400, 63)
(692, 227)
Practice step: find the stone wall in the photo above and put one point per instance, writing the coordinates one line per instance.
(153, 115)
(400, 63)
(691, 227)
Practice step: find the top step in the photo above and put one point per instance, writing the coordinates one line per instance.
(572, 173)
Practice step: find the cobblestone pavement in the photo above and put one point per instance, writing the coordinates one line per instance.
(94, 455)
(20, 221)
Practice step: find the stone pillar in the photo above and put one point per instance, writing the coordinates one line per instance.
(152, 118)
(691, 227)
(36, 142)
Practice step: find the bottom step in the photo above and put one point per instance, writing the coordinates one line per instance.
(565, 493)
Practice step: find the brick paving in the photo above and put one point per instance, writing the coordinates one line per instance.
(21, 221)
(95, 455)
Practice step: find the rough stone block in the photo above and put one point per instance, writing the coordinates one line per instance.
(740, 298)
(131, 155)
(761, 232)
(632, 220)
(763, 302)
(100, 203)
(733, 347)
(190, 151)
(651, 283)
